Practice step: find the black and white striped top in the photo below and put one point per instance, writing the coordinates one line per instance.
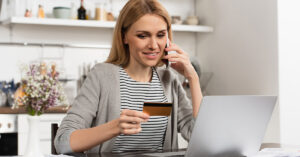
(133, 95)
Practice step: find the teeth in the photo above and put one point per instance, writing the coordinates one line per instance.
(151, 54)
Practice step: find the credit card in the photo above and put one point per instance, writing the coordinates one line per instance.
(157, 108)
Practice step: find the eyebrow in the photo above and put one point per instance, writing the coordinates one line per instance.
(141, 31)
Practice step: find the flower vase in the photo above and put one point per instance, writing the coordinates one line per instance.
(33, 140)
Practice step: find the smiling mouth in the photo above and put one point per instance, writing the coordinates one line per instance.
(151, 53)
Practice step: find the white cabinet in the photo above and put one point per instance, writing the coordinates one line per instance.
(45, 131)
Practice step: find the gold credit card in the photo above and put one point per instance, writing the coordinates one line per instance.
(157, 108)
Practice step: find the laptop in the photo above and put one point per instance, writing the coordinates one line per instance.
(228, 126)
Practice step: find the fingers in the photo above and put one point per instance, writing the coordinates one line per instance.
(130, 125)
(130, 121)
(131, 131)
(180, 61)
(176, 55)
(174, 47)
(180, 53)
(137, 114)
(180, 56)
(175, 60)
(127, 128)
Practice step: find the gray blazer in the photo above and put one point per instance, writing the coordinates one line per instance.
(98, 102)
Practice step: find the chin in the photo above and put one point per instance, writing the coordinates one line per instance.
(151, 64)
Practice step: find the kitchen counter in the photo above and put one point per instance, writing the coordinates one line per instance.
(21, 110)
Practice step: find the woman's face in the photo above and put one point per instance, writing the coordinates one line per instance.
(146, 39)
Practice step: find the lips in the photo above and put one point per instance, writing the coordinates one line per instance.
(151, 55)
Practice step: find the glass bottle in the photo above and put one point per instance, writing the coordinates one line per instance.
(82, 12)
(41, 13)
(103, 13)
(98, 11)
(73, 11)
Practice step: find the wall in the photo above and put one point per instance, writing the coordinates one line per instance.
(241, 54)
(68, 58)
(289, 75)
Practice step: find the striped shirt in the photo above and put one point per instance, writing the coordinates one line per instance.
(133, 95)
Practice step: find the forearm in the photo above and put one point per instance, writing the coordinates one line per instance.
(84, 139)
(196, 93)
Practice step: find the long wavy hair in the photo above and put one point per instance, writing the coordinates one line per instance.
(132, 12)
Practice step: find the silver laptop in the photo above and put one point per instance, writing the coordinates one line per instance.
(229, 126)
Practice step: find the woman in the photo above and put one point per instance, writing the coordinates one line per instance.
(107, 113)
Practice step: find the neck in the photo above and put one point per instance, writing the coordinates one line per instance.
(139, 73)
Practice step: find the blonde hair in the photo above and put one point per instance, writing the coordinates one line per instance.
(132, 12)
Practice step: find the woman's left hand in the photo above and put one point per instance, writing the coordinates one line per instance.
(180, 61)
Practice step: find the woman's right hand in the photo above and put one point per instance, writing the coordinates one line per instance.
(130, 121)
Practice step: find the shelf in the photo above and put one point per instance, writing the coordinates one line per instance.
(92, 23)
(56, 45)
(59, 22)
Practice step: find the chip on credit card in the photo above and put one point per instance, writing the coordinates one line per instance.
(157, 108)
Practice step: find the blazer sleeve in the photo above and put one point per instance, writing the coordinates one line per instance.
(81, 114)
(185, 116)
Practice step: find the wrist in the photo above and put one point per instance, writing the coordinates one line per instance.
(115, 127)
(193, 77)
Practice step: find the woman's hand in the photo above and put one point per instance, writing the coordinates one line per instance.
(180, 61)
(182, 64)
(130, 121)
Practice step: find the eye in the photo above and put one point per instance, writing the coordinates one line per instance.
(141, 36)
(161, 35)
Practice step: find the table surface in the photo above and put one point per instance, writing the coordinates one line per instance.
(21, 110)
(180, 153)
(148, 153)
(125, 154)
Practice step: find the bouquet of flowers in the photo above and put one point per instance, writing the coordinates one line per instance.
(41, 89)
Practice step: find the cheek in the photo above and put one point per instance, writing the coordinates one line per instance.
(139, 44)
(162, 45)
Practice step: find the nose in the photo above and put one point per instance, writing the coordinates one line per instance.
(153, 44)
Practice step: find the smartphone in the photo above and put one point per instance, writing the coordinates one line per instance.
(157, 108)
(166, 53)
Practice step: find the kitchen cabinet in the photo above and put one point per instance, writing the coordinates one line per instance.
(45, 131)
